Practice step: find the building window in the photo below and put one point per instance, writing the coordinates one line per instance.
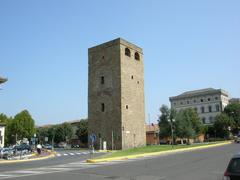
(126, 106)
(187, 102)
(137, 57)
(127, 52)
(102, 80)
(102, 57)
(132, 77)
(209, 108)
(103, 107)
(216, 98)
(194, 101)
(202, 109)
(204, 120)
(211, 119)
(201, 100)
(209, 99)
(217, 108)
(195, 109)
(181, 103)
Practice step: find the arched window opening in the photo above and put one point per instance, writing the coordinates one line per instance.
(137, 57)
(127, 52)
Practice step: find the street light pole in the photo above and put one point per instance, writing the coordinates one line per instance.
(171, 124)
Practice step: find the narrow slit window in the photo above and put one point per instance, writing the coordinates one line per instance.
(103, 107)
(102, 80)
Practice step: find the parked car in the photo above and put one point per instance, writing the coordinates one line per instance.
(233, 169)
(75, 146)
(62, 145)
(237, 139)
(6, 153)
(23, 147)
(47, 146)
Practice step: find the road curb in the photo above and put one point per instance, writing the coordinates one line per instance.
(157, 153)
(53, 154)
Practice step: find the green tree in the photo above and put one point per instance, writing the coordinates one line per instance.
(42, 132)
(188, 124)
(233, 111)
(163, 122)
(184, 128)
(3, 118)
(23, 125)
(82, 131)
(222, 124)
(164, 125)
(63, 132)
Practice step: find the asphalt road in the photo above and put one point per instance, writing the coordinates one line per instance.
(207, 164)
(63, 157)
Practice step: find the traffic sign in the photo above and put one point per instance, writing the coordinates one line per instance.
(93, 138)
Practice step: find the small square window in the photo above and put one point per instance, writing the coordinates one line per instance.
(201, 100)
(209, 99)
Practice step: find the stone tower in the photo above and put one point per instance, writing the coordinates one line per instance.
(116, 109)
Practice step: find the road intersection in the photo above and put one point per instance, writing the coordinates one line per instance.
(204, 164)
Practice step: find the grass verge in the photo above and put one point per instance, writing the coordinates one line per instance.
(151, 149)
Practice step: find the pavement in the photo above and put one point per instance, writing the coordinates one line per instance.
(202, 164)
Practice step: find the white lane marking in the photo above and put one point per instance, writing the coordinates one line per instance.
(79, 153)
(72, 154)
(59, 155)
(60, 168)
(27, 172)
(65, 154)
(5, 175)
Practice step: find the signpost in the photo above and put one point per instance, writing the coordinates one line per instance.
(92, 139)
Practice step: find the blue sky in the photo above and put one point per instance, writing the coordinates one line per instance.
(43, 50)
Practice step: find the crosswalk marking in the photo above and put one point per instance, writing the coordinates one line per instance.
(73, 153)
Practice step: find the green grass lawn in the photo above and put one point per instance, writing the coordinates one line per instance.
(149, 149)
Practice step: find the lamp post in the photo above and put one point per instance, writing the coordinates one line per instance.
(53, 137)
(229, 129)
(171, 124)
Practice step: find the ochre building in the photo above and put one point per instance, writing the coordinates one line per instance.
(116, 95)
